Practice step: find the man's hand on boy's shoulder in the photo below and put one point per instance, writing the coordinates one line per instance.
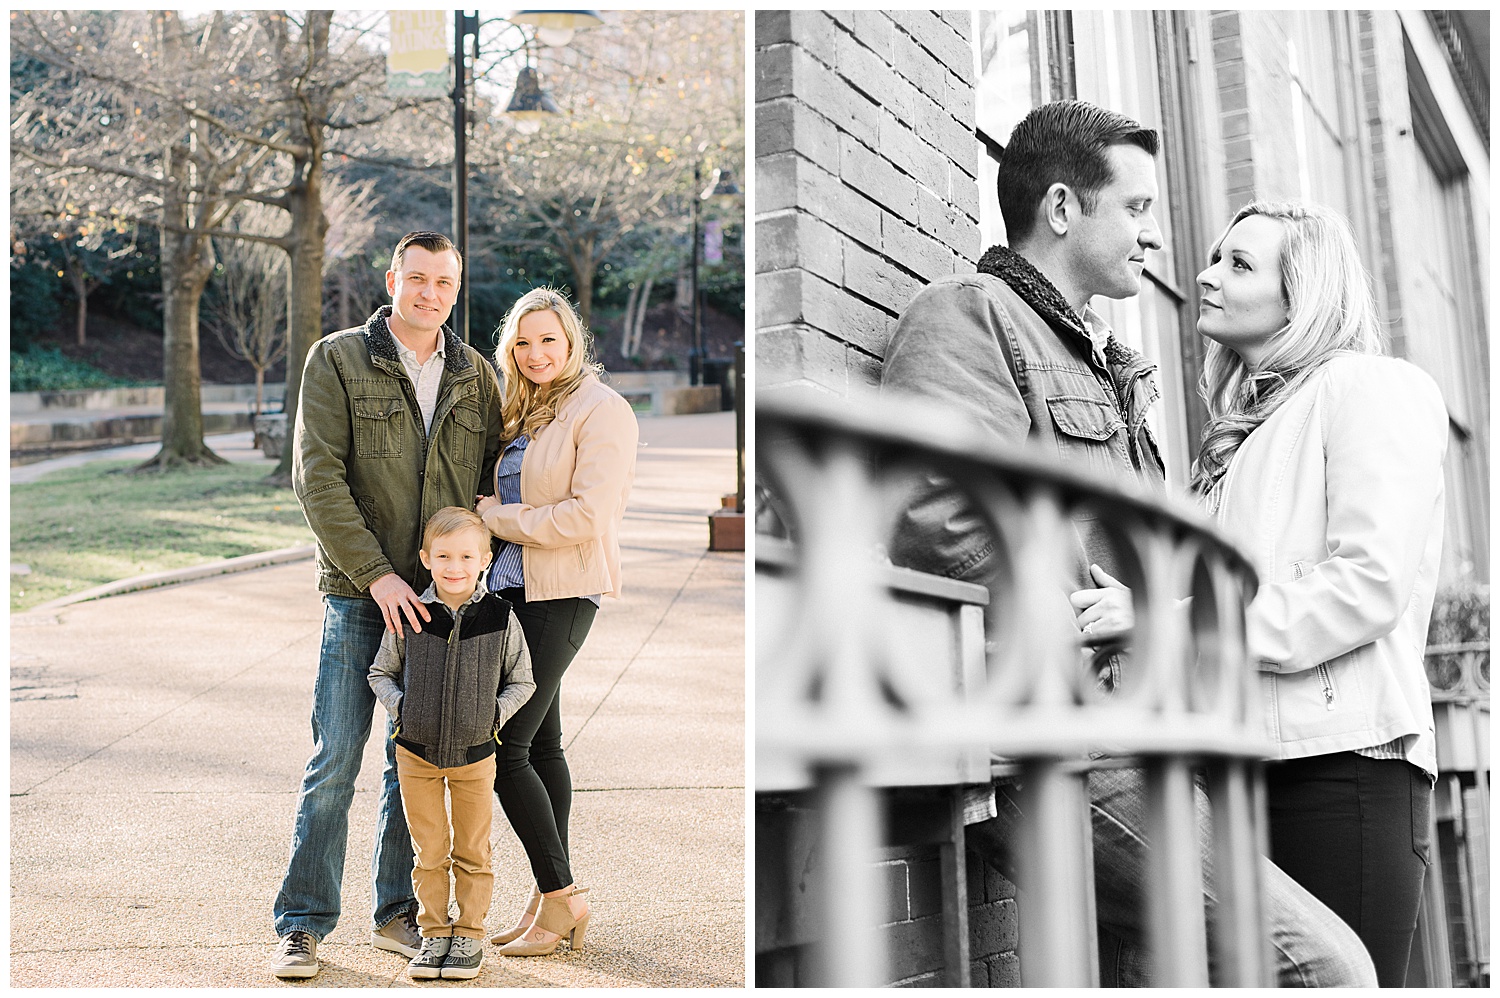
(391, 593)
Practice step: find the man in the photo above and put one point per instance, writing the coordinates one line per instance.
(397, 419)
(1021, 353)
(1017, 350)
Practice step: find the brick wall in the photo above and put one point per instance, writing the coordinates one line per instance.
(865, 183)
(1234, 110)
(910, 919)
(1372, 65)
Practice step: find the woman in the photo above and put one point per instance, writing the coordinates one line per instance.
(561, 485)
(1325, 460)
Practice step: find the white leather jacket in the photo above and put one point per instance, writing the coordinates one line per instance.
(1338, 498)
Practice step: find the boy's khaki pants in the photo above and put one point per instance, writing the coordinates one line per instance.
(467, 851)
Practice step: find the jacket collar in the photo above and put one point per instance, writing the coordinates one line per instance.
(382, 344)
(1130, 372)
(480, 592)
(1032, 286)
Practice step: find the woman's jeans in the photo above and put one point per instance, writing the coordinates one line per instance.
(1354, 832)
(343, 712)
(531, 774)
(1312, 947)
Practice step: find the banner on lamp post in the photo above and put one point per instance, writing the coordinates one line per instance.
(713, 241)
(418, 63)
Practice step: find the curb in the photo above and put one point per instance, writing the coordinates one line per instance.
(153, 580)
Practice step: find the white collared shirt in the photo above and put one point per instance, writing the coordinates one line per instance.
(425, 378)
(1098, 330)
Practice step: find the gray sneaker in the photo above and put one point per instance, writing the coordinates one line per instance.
(399, 935)
(465, 958)
(428, 964)
(296, 956)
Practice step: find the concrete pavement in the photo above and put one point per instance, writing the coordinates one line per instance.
(158, 738)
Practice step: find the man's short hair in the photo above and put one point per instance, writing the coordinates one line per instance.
(432, 242)
(1062, 142)
(450, 520)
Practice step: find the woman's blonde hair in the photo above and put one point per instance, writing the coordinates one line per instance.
(1330, 310)
(526, 406)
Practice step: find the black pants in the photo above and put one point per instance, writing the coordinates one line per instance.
(1353, 831)
(531, 775)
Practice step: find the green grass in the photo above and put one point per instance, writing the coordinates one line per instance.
(82, 527)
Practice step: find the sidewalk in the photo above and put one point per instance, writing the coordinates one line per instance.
(158, 739)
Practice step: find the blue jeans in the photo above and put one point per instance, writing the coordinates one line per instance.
(1311, 945)
(343, 711)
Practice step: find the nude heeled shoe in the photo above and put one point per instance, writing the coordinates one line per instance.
(556, 917)
(527, 918)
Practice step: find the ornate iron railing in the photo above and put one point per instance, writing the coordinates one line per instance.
(840, 701)
(1458, 884)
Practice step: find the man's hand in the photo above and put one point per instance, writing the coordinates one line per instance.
(393, 595)
(1105, 614)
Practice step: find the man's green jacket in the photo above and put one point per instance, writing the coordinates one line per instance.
(367, 474)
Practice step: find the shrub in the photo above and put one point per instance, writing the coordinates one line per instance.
(45, 369)
(35, 303)
(1460, 615)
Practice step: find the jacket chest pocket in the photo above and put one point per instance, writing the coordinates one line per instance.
(379, 426)
(463, 433)
(1089, 429)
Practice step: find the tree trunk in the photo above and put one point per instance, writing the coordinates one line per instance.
(583, 291)
(79, 282)
(260, 389)
(627, 324)
(304, 292)
(187, 261)
(640, 316)
(346, 292)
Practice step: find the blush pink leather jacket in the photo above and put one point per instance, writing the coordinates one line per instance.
(575, 479)
(1338, 498)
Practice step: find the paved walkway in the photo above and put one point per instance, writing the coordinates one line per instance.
(158, 739)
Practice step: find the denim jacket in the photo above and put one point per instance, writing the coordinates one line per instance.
(970, 344)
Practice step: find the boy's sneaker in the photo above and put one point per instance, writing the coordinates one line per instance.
(465, 957)
(296, 956)
(427, 965)
(399, 935)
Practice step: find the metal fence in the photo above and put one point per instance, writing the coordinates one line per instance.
(843, 706)
(1453, 931)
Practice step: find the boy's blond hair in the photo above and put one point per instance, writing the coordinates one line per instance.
(450, 520)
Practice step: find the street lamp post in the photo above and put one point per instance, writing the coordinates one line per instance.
(553, 28)
(723, 185)
(463, 24)
(695, 358)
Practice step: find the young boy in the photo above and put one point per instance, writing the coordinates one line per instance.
(450, 687)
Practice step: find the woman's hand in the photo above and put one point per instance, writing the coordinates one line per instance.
(484, 503)
(1104, 614)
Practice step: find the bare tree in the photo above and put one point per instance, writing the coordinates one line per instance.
(200, 115)
(124, 104)
(645, 96)
(249, 313)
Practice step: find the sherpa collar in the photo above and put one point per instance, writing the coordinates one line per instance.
(1033, 287)
(1022, 277)
(382, 344)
